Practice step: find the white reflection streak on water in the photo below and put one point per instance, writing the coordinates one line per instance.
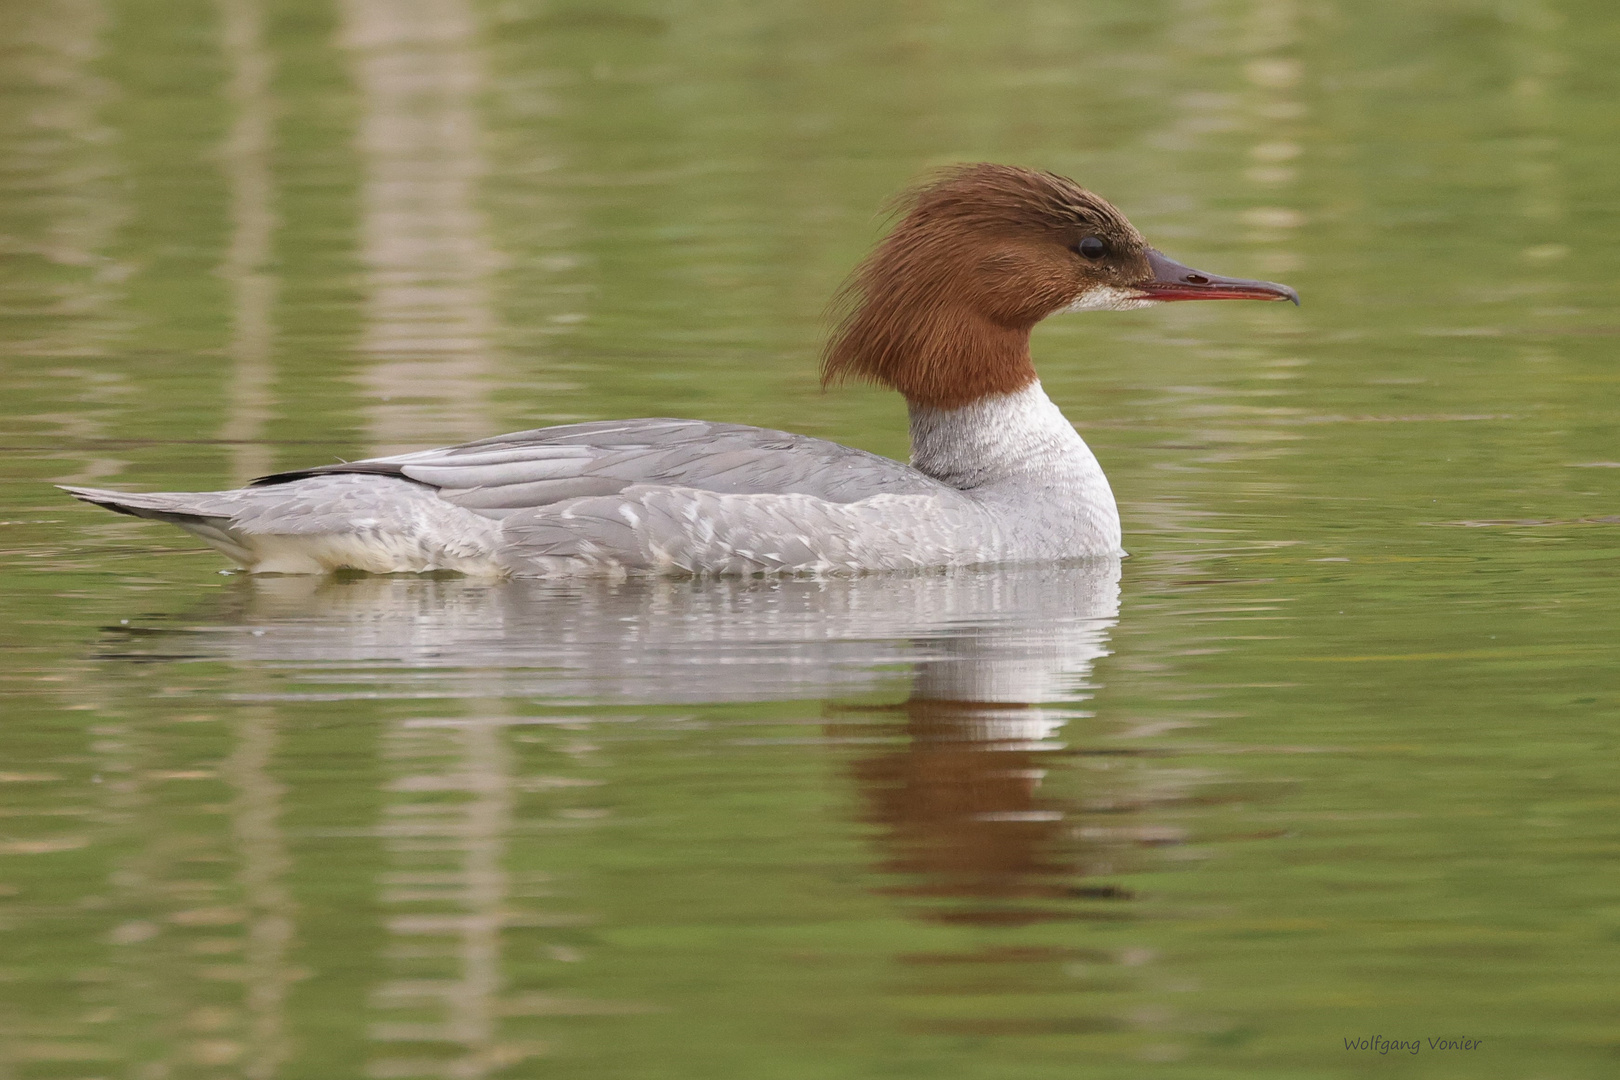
(253, 288)
(1539, 59)
(424, 243)
(448, 856)
(428, 336)
(256, 808)
(262, 849)
(1271, 32)
(54, 47)
(1228, 422)
(63, 175)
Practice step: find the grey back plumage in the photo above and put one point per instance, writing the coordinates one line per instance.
(525, 470)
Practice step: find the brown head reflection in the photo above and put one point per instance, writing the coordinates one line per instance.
(966, 814)
(971, 823)
(962, 812)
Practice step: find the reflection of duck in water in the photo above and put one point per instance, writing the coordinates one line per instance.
(968, 820)
(941, 312)
(995, 664)
(1033, 630)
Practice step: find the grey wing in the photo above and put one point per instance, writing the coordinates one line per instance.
(507, 474)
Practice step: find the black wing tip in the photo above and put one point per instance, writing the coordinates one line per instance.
(93, 496)
(359, 467)
(107, 500)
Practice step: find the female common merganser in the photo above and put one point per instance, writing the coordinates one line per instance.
(941, 312)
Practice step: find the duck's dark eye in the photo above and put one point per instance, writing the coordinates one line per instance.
(1092, 248)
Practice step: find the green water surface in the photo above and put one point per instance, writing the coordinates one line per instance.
(1332, 758)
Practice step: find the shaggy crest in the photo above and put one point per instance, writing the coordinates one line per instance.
(942, 309)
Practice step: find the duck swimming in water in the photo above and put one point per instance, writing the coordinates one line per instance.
(941, 312)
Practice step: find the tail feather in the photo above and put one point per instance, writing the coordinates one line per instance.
(379, 524)
(157, 505)
(203, 514)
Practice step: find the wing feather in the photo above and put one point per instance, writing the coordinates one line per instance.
(524, 470)
(532, 470)
(508, 499)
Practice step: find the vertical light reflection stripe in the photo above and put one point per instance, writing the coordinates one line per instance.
(53, 47)
(489, 816)
(264, 865)
(1271, 32)
(253, 288)
(424, 242)
(447, 869)
(1256, 39)
(1538, 59)
(428, 340)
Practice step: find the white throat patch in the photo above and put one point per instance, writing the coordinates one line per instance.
(1109, 298)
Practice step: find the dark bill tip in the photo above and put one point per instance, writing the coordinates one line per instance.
(1172, 281)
